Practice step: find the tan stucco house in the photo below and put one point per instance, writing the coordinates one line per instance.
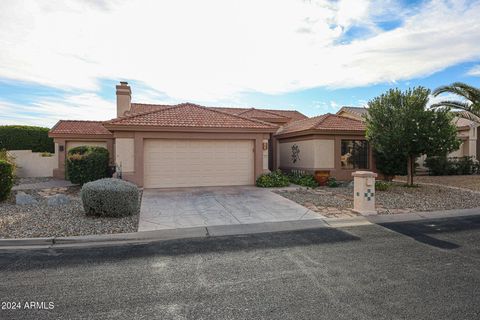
(187, 145)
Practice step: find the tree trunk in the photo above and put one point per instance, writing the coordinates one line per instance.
(410, 170)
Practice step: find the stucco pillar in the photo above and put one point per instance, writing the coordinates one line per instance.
(364, 192)
(60, 151)
(265, 155)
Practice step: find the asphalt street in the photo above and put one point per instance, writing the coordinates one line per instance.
(412, 270)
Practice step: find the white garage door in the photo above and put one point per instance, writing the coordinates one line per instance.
(192, 163)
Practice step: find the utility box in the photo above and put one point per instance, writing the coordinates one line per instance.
(364, 192)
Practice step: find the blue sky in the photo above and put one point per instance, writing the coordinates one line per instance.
(62, 59)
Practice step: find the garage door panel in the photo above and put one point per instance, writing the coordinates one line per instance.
(185, 163)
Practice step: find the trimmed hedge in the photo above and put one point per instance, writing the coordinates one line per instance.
(6, 179)
(442, 165)
(26, 138)
(273, 179)
(87, 163)
(110, 198)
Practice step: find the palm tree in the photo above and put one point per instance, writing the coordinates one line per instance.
(470, 105)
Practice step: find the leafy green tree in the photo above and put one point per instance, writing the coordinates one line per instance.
(470, 104)
(400, 125)
(390, 165)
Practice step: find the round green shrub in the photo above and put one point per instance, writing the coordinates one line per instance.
(110, 198)
(87, 163)
(272, 180)
(26, 138)
(6, 179)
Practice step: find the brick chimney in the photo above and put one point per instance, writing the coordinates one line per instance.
(124, 98)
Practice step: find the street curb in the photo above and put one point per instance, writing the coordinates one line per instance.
(225, 230)
(347, 222)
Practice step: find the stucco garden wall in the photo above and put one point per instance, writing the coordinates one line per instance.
(308, 154)
(33, 164)
(124, 154)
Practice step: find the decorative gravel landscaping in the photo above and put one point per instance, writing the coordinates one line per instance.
(471, 182)
(43, 220)
(337, 202)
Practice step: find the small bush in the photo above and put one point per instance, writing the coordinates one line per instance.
(87, 163)
(438, 166)
(464, 165)
(26, 138)
(442, 165)
(302, 179)
(332, 182)
(272, 180)
(6, 179)
(5, 156)
(110, 198)
(382, 185)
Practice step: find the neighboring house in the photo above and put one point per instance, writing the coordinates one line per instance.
(188, 145)
(467, 132)
(353, 112)
(325, 143)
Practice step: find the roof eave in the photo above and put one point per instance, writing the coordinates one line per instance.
(319, 131)
(80, 135)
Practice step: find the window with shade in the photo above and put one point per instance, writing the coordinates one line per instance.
(354, 154)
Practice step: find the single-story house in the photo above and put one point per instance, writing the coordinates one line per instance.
(187, 145)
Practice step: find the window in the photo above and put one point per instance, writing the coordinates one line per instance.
(354, 154)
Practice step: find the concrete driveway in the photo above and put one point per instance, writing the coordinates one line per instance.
(211, 206)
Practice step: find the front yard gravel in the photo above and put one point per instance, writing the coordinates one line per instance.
(398, 199)
(471, 182)
(42, 220)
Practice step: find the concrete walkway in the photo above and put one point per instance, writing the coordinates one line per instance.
(54, 183)
(215, 206)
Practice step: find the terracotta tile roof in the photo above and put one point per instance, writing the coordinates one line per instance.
(254, 113)
(326, 122)
(356, 112)
(79, 127)
(145, 107)
(462, 122)
(260, 114)
(292, 114)
(192, 116)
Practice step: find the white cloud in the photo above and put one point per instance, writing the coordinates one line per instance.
(216, 49)
(46, 112)
(475, 71)
(443, 97)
